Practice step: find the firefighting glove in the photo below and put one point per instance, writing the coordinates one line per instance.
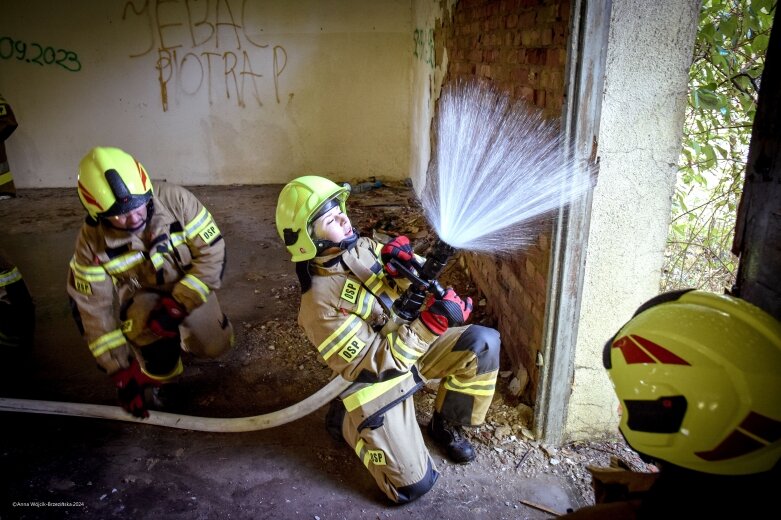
(165, 318)
(398, 249)
(450, 311)
(131, 383)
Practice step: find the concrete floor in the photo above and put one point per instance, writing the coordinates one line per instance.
(108, 469)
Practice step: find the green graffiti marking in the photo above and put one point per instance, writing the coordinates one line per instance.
(35, 53)
(424, 45)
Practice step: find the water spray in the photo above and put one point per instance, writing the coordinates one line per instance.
(500, 169)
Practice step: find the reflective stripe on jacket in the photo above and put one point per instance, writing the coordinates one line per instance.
(342, 315)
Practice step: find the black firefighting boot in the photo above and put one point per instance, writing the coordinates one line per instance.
(450, 437)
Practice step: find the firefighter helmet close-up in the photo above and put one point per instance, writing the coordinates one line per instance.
(111, 182)
(300, 202)
(698, 376)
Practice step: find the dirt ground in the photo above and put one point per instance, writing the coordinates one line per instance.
(70, 467)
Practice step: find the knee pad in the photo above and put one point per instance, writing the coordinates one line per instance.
(418, 489)
(484, 342)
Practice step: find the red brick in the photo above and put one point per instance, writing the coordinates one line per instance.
(527, 19)
(530, 37)
(524, 92)
(534, 78)
(547, 13)
(555, 102)
(553, 57)
(560, 34)
(564, 12)
(540, 284)
(546, 36)
(521, 75)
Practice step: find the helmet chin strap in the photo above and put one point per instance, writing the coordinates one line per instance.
(347, 243)
(150, 210)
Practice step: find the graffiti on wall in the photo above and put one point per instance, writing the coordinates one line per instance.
(204, 46)
(424, 45)
(37, 54)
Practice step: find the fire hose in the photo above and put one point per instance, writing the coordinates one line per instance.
(405, 309)
(185, 422)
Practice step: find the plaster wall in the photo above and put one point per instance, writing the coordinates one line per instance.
(648, 57)
(209, 91)
(430, 63)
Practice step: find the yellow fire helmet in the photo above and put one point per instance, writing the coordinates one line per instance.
(111, 182)
(300, 202)
(698, 376)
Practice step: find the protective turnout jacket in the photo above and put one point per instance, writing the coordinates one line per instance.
(180, 251)
(342, 315)
(346, 299)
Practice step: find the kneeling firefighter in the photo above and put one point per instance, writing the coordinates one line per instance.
(142, 279)
(348, 289)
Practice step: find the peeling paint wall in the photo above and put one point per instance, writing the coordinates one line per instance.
(429, 66)
(210, 91)
(649, 53)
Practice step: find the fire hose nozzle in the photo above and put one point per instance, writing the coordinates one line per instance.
(424, 280)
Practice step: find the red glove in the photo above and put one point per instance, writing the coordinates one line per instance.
(130, 383)
(450, 311)
(165, 318)
(398, 249)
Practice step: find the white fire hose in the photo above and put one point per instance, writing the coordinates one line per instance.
(185, 422)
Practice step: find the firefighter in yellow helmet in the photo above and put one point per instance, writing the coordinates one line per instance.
(142, 279)
(698, 376)
(348, 289)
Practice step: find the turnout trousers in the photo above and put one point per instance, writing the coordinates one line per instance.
(391, 446)
(205, 332)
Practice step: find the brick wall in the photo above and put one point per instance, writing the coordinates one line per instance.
(520, 45)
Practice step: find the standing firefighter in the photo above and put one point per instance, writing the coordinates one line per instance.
(142, 279)
(346, 300)
(7, 126)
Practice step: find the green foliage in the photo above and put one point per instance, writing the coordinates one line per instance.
(724, 79)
